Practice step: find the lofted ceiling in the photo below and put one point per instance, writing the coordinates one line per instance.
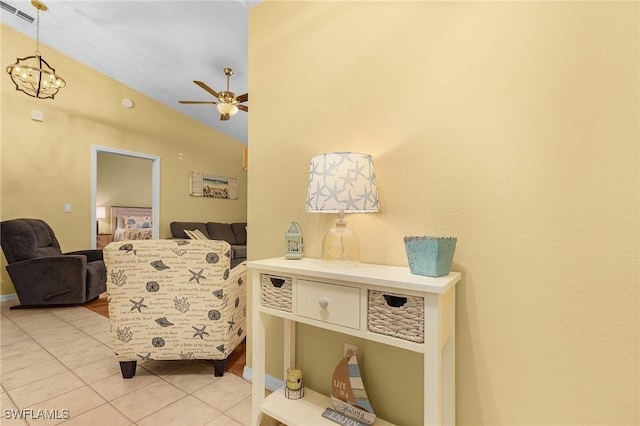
(155, 47)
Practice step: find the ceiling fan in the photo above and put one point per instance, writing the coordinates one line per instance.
(228, 103)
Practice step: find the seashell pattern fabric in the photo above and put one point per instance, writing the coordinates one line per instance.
(172, 300)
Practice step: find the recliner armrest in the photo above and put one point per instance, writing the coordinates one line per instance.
(91, 255)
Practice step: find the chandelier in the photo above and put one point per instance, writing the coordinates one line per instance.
(32, 74)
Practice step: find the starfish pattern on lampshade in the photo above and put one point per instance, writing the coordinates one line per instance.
(342, 181)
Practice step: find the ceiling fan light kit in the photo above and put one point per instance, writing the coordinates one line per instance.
(227, 108)
(32, 75)
(228, 103)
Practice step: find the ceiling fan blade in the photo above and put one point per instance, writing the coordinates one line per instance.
(198, 102)
(242, 98)
(224, 117)
(243, 108)
(207, 88)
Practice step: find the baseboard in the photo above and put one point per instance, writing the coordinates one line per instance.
(8, 297)
(270, 382)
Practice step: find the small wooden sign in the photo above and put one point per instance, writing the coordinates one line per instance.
(341, 419)
(348, 395)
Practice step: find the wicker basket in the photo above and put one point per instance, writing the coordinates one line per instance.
(276, 292)
(396, 315)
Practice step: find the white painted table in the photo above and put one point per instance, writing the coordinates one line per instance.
(307, 285)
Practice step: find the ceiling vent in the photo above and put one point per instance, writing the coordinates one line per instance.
(17, 12)
(7, 7)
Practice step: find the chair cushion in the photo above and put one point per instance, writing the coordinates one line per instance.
(221, 231)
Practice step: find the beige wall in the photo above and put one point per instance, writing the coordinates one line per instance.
(47, 164)
(512, 126)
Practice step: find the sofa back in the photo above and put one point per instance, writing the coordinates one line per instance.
(240, 232)
(233, 233)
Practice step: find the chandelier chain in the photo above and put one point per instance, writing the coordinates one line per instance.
(38, 32)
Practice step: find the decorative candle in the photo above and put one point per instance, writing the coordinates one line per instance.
(294, 378)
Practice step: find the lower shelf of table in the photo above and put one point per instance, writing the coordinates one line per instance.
(303, 412)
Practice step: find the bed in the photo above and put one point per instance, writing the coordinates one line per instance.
(131, 223)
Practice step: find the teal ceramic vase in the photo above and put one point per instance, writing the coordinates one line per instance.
(430, 256)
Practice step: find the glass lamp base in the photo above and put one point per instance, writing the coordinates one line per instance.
(340, 246)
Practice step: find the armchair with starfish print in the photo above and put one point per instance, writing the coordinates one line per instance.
(173, 300)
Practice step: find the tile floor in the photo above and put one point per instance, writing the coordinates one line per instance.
(58, 363)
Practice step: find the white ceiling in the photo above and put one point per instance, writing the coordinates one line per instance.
(155, 47)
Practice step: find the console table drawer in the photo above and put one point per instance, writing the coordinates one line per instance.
(335, 304)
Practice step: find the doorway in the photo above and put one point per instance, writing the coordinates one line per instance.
(155, 185)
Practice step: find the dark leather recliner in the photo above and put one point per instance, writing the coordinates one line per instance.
(41, 274)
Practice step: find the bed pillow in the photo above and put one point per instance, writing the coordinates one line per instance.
(137, 222)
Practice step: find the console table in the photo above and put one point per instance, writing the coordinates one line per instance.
(342, 300)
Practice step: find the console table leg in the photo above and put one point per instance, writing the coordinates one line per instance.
(289, 346)
(432, 361)
(257, 355)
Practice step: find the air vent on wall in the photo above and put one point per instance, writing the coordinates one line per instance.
(17, 12)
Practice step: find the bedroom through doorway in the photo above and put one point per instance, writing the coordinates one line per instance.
(128, 180)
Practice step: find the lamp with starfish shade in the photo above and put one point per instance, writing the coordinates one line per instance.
(342, 182)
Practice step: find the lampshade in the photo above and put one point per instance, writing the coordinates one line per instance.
(227, 108)
(101, 212)
(342, 182)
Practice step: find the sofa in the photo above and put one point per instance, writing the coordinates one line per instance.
(233, 233)
(174, 300)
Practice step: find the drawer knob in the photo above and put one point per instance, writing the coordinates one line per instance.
(323, 303)
(277, 282)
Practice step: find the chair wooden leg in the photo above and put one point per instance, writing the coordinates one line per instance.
(128, 369)
(218, 367)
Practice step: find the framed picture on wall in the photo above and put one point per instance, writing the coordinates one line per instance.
(212, 186)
